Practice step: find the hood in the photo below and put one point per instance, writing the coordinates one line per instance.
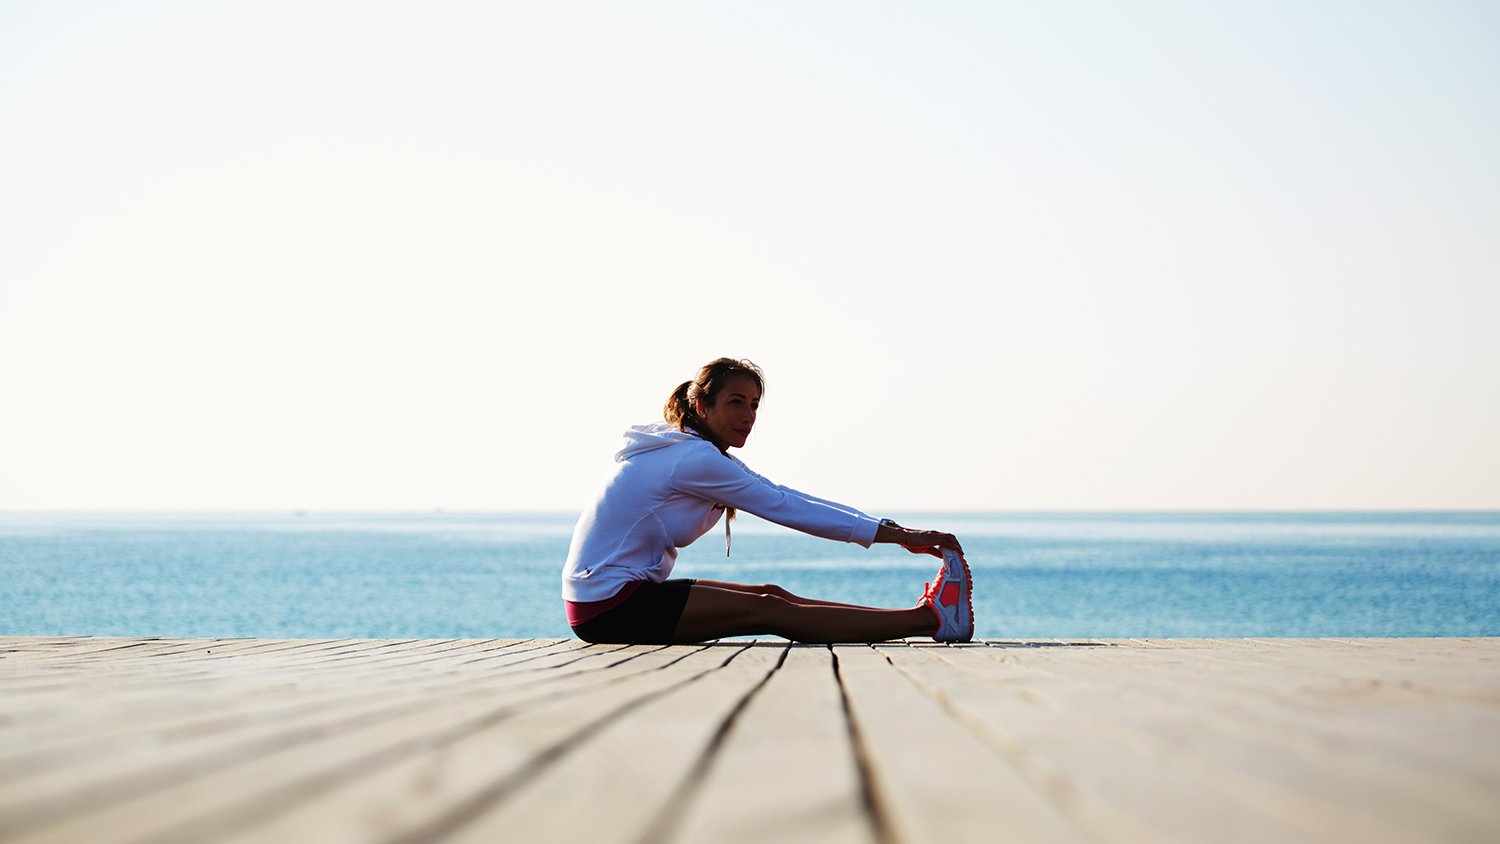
(643, 438)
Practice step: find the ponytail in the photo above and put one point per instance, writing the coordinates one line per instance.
(679, 410)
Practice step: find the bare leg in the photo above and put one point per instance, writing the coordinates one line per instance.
(777, 591)
(713, 612)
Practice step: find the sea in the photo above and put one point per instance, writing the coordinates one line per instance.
(490, 575)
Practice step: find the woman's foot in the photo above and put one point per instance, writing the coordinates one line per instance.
(950, 597)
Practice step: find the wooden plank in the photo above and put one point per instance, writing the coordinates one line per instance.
(786, 771)
(1112, 780)
(245, 707)
(1442, 653)
(930, 780)
(96, 726)
(123, 685)
(186, 659)
(1380, 710)
(1397, 725)
(235, 713)
(115, 648)
(20, 648)
(122, 650)
(421, 794)
(627, 781)
(127, 687)
(155, 686)
(1447, 675)
(1245, 749)
(408, 740)
(232, 786)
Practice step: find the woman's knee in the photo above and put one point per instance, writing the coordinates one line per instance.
(718, 612)
(774, 591)
(770, 610)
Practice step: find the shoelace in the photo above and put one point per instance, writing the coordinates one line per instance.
(930, 593)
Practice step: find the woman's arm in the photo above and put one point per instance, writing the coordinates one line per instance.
(916, 541)
(784, 488)
(708, 474)
(705, 473)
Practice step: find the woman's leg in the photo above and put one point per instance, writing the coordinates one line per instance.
(773, 589)
(713, 612)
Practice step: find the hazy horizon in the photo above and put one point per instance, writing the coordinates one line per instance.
(562, 512)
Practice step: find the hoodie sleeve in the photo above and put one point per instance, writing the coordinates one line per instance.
(788, 490)
(707, 474)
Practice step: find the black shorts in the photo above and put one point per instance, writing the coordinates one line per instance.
(648, 617)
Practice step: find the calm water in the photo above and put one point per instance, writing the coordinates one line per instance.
(497, 575)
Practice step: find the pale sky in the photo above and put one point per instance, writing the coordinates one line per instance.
(354, 255)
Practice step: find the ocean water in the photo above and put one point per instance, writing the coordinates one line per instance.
(497, 574)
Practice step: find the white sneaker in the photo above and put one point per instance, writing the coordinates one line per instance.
(951, 597)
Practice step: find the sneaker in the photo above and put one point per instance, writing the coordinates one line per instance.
(951, 598)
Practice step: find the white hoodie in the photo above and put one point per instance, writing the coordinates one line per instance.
(670, 487)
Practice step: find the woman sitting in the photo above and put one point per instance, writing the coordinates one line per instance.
(671, 484)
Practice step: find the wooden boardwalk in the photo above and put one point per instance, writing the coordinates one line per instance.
(545, 740)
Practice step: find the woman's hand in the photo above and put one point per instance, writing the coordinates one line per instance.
(918, 541)
(930, 542)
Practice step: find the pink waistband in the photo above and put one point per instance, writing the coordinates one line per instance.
(581, 611)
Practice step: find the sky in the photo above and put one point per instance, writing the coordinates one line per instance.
(1020, 256)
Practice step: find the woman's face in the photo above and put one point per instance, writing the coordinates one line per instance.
(731, 417)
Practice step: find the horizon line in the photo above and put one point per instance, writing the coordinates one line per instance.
(306, 511)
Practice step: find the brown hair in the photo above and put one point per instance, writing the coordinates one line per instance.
(681, 408)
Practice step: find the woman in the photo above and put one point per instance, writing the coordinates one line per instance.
(672, 482)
